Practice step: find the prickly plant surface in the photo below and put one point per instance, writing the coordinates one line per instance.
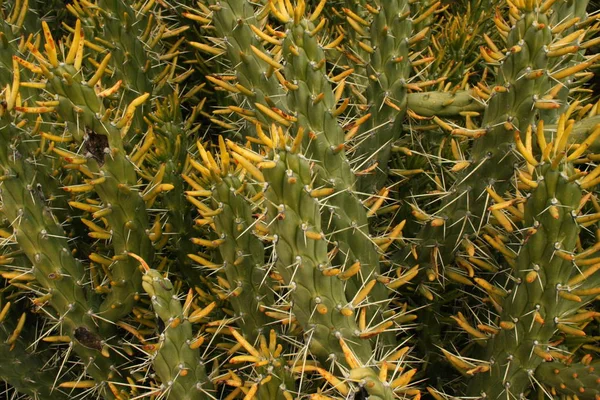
(292, 199)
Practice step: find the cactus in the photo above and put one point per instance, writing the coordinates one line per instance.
(388, 71)
(537, 307)
(291, 199)
(314, 286)
(177, 360)
(123, 207)
(577, 379)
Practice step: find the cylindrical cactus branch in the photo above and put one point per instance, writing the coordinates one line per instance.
(356, 15)
(236, 22)
(114, 29)
(243, 256)
(444, 104)
(581, 379)
(567, 21)
(388, 70)
(177, 360)
(26, 203)
(27, 128)
(522, 81)
(310, 283)
(163, 156)
(238, 28)
(539, 304)
(521, 84)
(37, 233)
(584, 283)
(230, 213)
(303, 259)
(44, 242)
(251, 288)
(126, 33)
(424, 16)
(349, 34)
(314, 103)
(451, 104)
(310, 95)
(114, 176)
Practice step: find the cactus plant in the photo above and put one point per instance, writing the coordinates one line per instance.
(275, 199)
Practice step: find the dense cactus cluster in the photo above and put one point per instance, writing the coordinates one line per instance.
(294, 199)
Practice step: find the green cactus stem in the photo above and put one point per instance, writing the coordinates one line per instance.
(536, 307)
(123, 207)
(388, 70)
(313, 101)
(167, 156)
(315, 288)
(444, 104)
(236, 22)
(177, 362)
(511, 109)
(251, 289)
(306, 80)
(45, 244)
(243, 256)
(580, 379)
